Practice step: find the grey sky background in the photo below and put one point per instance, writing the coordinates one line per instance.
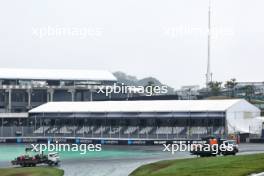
(140, 37)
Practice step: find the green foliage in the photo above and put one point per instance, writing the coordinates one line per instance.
(215, 87)
(230, 85)
(31, 171)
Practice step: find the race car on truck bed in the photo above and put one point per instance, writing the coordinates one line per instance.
(31, 160)
(213, 147)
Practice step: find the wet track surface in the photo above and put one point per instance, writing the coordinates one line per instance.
(113, 160)
(118, 166)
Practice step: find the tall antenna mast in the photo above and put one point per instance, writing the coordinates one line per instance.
(208, 73)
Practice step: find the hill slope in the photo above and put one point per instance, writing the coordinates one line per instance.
(133, 81)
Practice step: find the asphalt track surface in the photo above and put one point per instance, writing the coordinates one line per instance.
(131, 157)
(124, 166)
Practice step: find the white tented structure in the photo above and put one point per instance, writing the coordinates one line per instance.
(168, 119)
(243, 117)
(55, 74)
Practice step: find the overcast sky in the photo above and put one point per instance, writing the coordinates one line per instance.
(162, 38)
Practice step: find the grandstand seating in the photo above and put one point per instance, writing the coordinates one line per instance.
(198, 130)
(164, 130)
(115, 130)
(130, 130)
(53, 130)
(145, 130)
(177, 130)
(41, 130)
(218, 130)
(173, 132)
(85, 130)
(64, 130)
(100, 130)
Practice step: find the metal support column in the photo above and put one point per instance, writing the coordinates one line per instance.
(50, 94)
(29, 91)
(91, 94)
(83, 130)
(72, 91)
(2, 129)
(110, 131)
(9, 100)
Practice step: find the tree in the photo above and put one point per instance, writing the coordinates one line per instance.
(230, 85)
(215, 87)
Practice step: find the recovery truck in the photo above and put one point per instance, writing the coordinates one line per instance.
(214, 147)
(29, 160)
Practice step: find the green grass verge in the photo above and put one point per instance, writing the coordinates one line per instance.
(209, 166)
(31, 171)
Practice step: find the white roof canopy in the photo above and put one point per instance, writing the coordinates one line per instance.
(56, 74)
(136, 106)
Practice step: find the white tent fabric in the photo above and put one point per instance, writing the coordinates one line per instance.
(242, 118)
(56, 74)
(252, 126)
(137, 106)
(256, 125)
(240, 114)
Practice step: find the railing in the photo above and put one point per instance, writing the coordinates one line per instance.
(47, 87)
(56, 131)
(13, 115)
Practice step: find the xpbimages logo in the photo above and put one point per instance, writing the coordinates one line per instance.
(183, 147)
(124, 89)
(57, 147)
